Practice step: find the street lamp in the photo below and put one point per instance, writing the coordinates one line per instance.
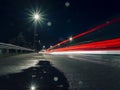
(36, 17)
(70, 38)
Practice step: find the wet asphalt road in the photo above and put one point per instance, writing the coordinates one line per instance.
(16, 63)
(84, 72)
(89, 72)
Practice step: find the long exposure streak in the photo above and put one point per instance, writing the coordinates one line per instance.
(113, 44)
(92, 45)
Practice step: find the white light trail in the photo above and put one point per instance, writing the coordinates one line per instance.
(85, 52)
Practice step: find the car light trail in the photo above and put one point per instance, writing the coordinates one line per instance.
(94, 45)
(87, 32)
(85, 52)
(106, 45)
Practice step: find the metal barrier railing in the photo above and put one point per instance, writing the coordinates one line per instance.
(5, 47)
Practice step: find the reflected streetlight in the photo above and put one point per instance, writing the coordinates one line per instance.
(32, 88)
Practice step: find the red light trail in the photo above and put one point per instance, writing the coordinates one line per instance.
(113, 44)
(87, 32)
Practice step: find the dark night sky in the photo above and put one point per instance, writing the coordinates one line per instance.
(66, 21)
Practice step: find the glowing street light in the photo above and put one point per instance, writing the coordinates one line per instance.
(36, 16)
(70, 39)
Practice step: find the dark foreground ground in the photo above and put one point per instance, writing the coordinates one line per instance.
(83, 72)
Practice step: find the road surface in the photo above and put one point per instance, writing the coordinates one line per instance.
(90, 72)
(16, 63)
(84, 72)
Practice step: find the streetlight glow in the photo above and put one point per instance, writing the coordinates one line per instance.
(70, 39)
(36, 16)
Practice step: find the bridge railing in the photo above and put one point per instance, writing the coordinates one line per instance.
(10, 48)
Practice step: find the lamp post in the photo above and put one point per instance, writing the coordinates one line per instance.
(36, 16)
